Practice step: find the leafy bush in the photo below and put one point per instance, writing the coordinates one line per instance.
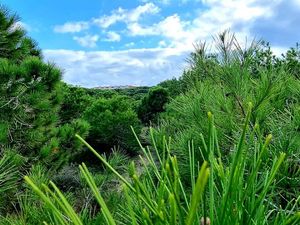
(174, 87)
(75, 100)
(152, 104)
(110, 121)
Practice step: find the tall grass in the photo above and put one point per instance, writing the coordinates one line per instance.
(240, 192)
(8, 174)
(9, 180)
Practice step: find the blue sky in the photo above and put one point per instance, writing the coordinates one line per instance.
(141, 42)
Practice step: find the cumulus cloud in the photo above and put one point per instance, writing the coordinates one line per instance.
(175, 35)
(71, 27)
(135, 29)
(280, 29)
(217, 16)
(89, 41)
(127, 16)
(101, 68)
(106, 21)
(112, 37)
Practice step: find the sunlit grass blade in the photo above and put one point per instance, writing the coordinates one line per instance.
(91, 183)
(197, 193)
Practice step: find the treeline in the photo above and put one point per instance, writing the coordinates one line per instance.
(219, 114)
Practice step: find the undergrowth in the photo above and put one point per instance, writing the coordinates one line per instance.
(240, 192)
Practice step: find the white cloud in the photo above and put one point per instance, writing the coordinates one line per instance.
(89, 41)
(130, 44)
(162, 44)
(135, 29)
(177, 37)
(148, 8)
(97, 68)
(171, 27)
(218, 16)
(22, 25)
(106, 21)
(223, 14)
(71, 27)
(112, 37)
(127, 16)
(278, 50)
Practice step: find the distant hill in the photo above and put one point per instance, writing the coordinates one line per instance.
(116, 87)
(136, 92)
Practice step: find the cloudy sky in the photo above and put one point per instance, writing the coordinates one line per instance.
(141, 42)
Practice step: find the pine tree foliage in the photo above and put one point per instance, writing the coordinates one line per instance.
(30, 97)
(14, 44)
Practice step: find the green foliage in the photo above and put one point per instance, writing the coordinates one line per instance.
(224, 85)
(14, 44)
(136, 93)
(75, 101)
(291, 61)
(238, 193)
(30, 92)
(173, 86)
(245, 179)
(110, 121)
(63, 147)
(8, 181)
(152, 104)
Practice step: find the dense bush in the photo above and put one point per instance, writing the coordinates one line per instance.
(110, 121)
(174, 87)
(152, 104)
(75, 101)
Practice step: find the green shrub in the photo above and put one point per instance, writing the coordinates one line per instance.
(110, 121)
(152, 104)
(76, 99)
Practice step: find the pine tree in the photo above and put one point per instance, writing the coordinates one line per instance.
(30, 98)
